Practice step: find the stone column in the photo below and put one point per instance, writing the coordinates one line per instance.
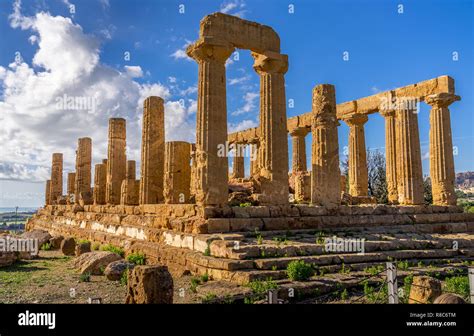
(390, 155)
(325, 174)
(298, 135)
(177, 172)
(238, 166)
(100, 182)
(211, 126)
(47, 193)
(358, 175)
(254, 157)
(193, 170)
(116, 161)
(71, 183)
(441, 149)
(83, 168)
(153, 151)
(272, 67)
(409, 170)
(56, 189)
(131, 170)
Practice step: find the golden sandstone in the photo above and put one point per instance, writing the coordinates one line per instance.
(183, 190)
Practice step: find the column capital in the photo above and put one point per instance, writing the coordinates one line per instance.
(440, 100)
(299, 131)
(387, 112)
(356, 119)
(270, 62)
(208, 49)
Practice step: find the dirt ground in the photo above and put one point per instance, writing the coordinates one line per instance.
(50, 278)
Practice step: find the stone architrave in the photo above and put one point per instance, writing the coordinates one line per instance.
(153, 151)
(441, 149)
(116, 161)
(325, 175)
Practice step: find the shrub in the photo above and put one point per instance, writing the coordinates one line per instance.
(95, 247)
(458, 285)
(86, 277)
(261, 287)
(244, 205)
(207, 251)
(46, 247)
(298, 270)
(124, 278)
(82, 241)
(113, 249)
(137, 258)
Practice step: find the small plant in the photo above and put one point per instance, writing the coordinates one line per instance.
(101, 269)
(374, 270)
(420, 264)
(260, 288)
(205, 277)
(344, 270)
(407, 288)
(274, 268)
(46, 247)
(244, 205)
(114, 249)
(403, 265)
(209, 297)
(320, 238)
(95, 247)
(86, 277)
(137, 258)
(259, 239)
(82, 241)
(344, 295)
(194, 283)
(299, 270)
(458, 285)
(124, 278)
(207, 251)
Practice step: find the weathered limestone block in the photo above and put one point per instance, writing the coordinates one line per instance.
(449, 298)
(358, 174)
(68, 246)
(56, 188)
(211, 128)
(83, 167)
(116, 161)
(177, 172)
(115, 269)
(95, 262)
(100, 182)
(82, 248)
(129, 193)
(409, 170)
(441, 149)
(325, 176)
(149, 284)
(56, 242)
(424, 289)
(271, 67)
(153, 151)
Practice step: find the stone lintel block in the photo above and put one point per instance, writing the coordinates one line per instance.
(310, 210)
(245, 224)
(218, 225)
(283, 223)
(241, 212)
(384, 209)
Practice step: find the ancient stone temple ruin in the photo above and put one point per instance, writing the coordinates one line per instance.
(187, 211)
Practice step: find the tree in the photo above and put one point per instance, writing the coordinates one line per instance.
(377, 176)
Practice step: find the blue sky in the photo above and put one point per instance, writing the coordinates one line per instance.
(84, 52)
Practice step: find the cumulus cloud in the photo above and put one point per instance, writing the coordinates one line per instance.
(235, 7)
(242, 125)
(181, 53)
(66, 93)
(250, 104)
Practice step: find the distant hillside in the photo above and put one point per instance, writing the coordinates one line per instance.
(465, 180)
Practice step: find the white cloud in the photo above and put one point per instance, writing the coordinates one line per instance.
(134, 71)
(238, 80)
(35, 121)
(181, 53)
(250, 104)
(172, 79)
(242, 125)
(235, 7)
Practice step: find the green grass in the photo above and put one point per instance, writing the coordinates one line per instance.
(137, 258)
(114, 249)
(458, 285)
(298, 270)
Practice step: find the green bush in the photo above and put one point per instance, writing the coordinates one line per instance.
(298, 270)
(86, 277)
(46, 247)
(82, 241)
(458, 285)
(137, 258)
(114, 249)
(124, 278)
(95, 247)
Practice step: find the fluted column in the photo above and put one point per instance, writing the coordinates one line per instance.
(325, 174)
(441, 149)
(100, 182)
(83, 167)
(298, 140)
(56, 188)
(390, 155)
(408, 152)
(211, 126)
(358, 175)
(153, 151)
(47, 193)
(116, 161)
(238, 165)
(177, 172)
(71, 183)
(272, 67)
(254, 157)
